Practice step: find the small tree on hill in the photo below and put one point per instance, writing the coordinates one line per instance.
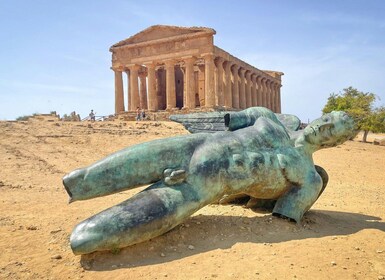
(26, 117)
(377, 120)
(359, 105)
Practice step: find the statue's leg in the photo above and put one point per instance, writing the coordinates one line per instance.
(132, 167)
(146, 215)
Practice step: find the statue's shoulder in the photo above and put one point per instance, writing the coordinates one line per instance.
(269, 127)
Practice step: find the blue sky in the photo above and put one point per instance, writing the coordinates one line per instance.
(54, 55)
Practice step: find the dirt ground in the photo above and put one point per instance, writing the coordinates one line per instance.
(341, 237)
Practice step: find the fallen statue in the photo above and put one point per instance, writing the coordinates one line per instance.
(257, 156)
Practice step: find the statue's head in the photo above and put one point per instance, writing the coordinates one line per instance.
(330, 130)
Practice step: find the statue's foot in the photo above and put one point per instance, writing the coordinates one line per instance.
(172, 177)
(71, 183)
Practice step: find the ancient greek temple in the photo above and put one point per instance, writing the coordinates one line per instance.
(171, 67)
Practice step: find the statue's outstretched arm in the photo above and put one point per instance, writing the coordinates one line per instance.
(298, 199)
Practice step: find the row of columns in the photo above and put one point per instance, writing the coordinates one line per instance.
(238, 87)
(227, 84)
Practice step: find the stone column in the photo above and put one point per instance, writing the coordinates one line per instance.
(269, 95)
(128, 88)
(227, 85)
(151, 90)
(272, 90)
(265, 94)
(119, 94)
(279, 109)
(183, 69)
(190, 83)
(253, 90)
(273, 97)
(235, 95)
(134, 87)
(242, 91)
(259, 90)
(263, 90)
(143, 90)
(201, 85)
(248, 89)
(209, 81)
(219, 81)
(170, 84)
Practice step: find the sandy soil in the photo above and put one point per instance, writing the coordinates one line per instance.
(341, 237)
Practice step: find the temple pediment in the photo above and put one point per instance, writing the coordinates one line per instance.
(157, 32)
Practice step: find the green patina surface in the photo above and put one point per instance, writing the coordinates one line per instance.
(256, 157)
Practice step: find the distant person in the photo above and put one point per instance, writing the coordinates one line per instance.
(138, 114)
(143, 115)
(92, 116)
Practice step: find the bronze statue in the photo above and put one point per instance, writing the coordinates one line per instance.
(257, 157)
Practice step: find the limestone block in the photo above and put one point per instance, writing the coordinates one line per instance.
(379, 141)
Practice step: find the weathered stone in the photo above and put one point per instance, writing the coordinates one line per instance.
(379, 141)
(56, 257)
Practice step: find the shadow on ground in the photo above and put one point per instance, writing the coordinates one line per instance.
(209, 232)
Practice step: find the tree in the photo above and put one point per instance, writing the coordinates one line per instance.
(377, 120)
(360, 106)
(26, 117)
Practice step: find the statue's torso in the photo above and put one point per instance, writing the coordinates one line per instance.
(258, 160)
